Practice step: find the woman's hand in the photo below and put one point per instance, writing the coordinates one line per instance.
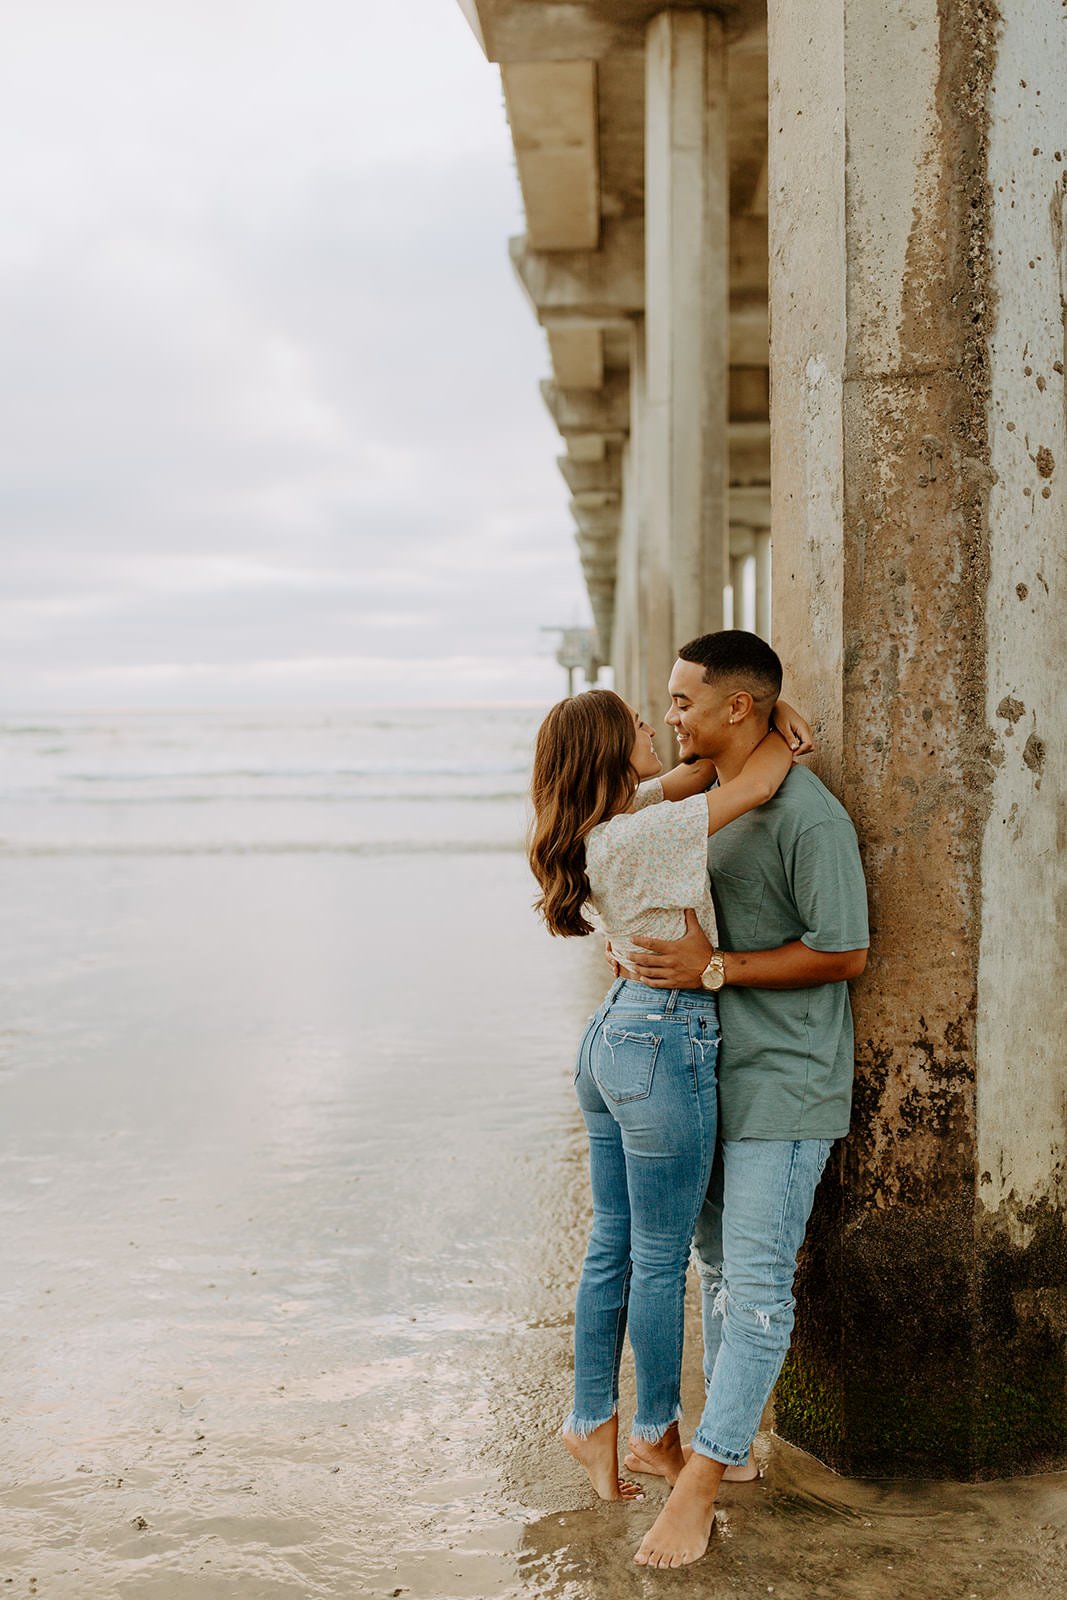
(688, 779)
(794, 729)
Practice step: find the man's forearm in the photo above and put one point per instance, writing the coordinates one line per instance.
(791, 966)
(679, 963)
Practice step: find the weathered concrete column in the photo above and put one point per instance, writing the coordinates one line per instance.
(918, 465)
(737, 587)
(686, 307)
(626, 629)
(762, 540)
(652, 547)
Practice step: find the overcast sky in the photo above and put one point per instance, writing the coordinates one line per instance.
(269, 419)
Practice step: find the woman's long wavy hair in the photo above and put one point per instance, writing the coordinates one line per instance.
(582, 774)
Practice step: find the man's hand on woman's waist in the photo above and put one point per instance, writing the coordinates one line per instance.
(681, 963)
(672, 963)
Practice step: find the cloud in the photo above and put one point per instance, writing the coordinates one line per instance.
(271, 389)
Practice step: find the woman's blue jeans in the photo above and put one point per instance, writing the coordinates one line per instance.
(747, 1237)
(646, 1087)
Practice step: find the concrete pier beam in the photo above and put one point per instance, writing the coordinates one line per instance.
(749, 338)
(604, 411)
(749, 454)
(583, 477)
(590, 286)
(919, 461)
(599, 527)
(587, 449)
(552, 113)
(596, 500)
(577, 357)
(687, 305)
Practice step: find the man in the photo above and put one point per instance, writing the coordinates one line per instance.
(792, 914)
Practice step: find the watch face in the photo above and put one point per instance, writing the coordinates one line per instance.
(713, 978)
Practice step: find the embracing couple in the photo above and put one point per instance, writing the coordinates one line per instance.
(732, 894)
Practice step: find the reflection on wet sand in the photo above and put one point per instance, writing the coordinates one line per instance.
(266, 1206)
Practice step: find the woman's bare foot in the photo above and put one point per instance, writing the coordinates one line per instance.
(665, 1458)
(681, 1532)
(635, 1461)
(599, 1455)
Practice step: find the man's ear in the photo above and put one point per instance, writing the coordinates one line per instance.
(741, 705)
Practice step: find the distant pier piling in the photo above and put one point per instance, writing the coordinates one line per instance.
(578, 651)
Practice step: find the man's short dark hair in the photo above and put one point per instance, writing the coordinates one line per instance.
(743, 658)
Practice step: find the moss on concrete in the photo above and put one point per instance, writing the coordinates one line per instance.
(931, 1343)
(806, 1411)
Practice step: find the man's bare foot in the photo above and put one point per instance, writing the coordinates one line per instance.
(599, 1455)
(681, 1532)
(665, 1458)
(635, 1461)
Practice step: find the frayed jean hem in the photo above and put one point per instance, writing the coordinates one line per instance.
(582, 1427)
(652, 1432)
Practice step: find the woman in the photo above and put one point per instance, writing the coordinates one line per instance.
(645, 1075)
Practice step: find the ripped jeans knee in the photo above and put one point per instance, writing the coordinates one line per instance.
(764, 1322)
(709, 1272)
(746, 1336)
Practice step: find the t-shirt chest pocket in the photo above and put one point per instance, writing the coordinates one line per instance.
(738, 902)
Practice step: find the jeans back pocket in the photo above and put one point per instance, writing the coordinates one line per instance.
(624, 1062)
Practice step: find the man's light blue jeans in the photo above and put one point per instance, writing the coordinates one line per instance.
(749, 1232)
(646, 1087)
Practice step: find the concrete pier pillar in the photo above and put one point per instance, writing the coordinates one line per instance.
(737, 589)
(652, 556)
(687, 308)
(919, 457)
(626, 631)
(762, 541)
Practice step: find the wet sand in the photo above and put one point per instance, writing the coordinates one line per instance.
(292, 1203)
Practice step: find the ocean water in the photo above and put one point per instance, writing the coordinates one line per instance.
(293, 1197)
(217, 782)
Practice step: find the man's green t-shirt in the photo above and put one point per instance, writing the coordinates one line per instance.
(788, 870)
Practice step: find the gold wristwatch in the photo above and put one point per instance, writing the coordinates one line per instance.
(714, 974)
